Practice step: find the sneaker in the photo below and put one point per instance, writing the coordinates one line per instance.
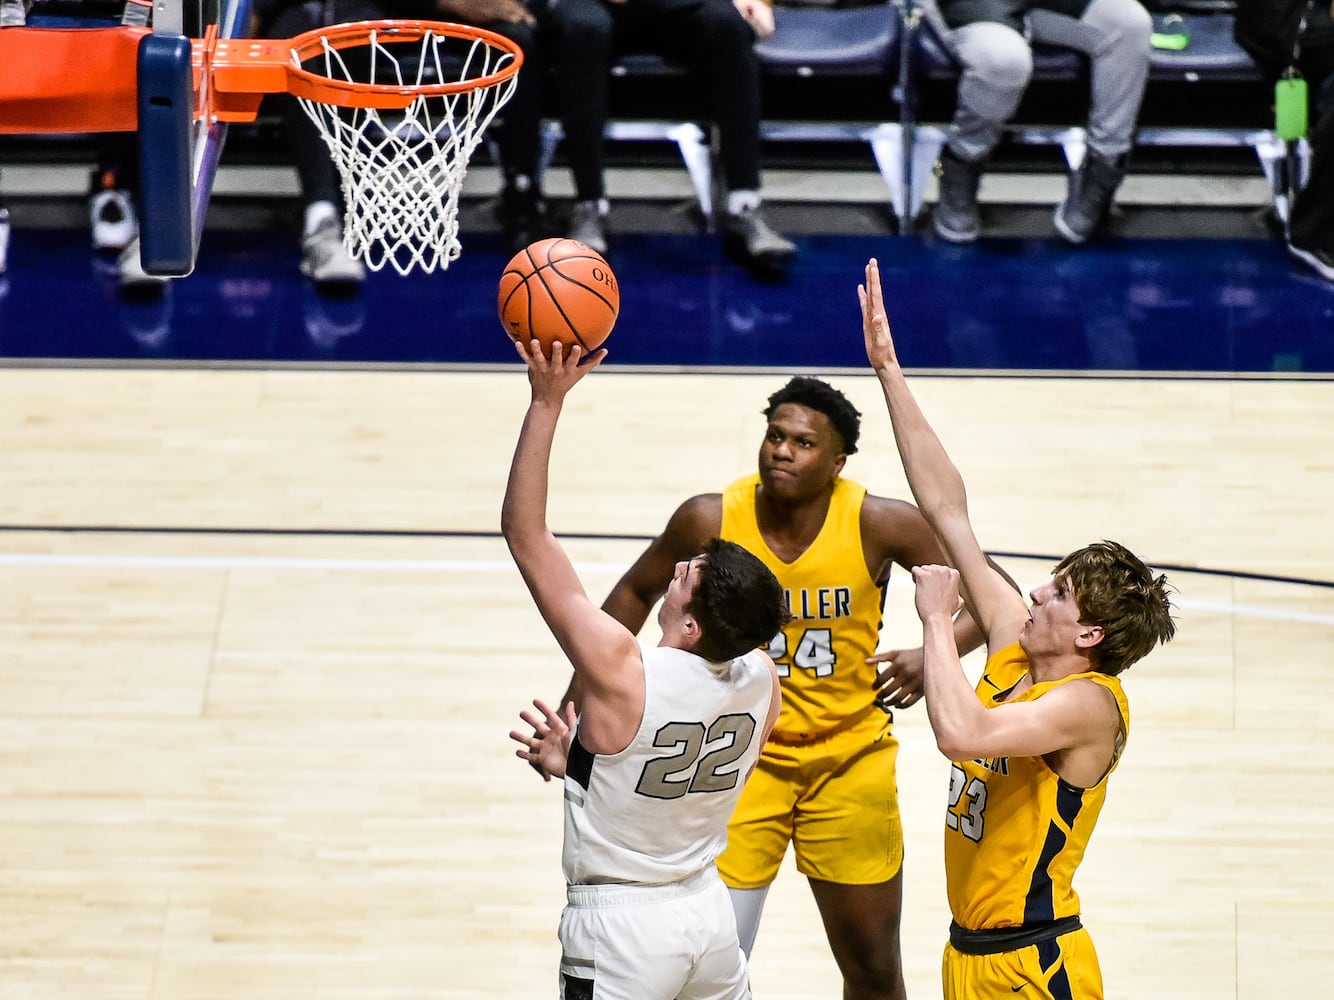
(522, 216)
(113, 219)
(1089, 202)
(586, 225)
(957, 218)
(758, 242)
(4, 239)
(131, 271)
(325, 261)
(1320, 261)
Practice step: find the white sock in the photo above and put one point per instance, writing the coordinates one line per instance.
(742, 201)
(748, 905)
(317, 212)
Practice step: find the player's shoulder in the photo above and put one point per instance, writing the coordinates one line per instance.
(891, 513)
(700, 517)
(702, 505)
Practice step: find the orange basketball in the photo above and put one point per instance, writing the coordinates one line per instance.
(559, 289)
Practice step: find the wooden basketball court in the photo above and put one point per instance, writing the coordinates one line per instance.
(261, 647)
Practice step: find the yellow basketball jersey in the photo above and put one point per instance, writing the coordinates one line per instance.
(836, 608)
(1014, 831)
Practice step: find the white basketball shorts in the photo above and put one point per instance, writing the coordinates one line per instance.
(656, 942)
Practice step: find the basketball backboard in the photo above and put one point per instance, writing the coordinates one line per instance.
(123, 79)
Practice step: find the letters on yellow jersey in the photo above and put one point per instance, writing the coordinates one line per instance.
(819, 603)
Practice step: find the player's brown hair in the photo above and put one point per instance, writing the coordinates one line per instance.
(1116, 591)
(738, 602)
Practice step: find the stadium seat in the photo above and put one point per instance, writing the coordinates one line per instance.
(824, 42)
(1208, 58)
(807, 43)
(691, 141)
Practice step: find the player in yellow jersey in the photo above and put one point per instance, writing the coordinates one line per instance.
(1034, 744)
(826, 780)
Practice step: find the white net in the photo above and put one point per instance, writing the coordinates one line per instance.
(402, 170)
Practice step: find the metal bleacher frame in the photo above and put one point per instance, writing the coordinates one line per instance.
(1215, 58)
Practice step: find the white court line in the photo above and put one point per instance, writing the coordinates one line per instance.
(302, 563)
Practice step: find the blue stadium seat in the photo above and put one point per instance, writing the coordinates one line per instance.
(812, 42)
(846, 41)
(807, 43)
(1210, 54)
(1210, 57)
(691, 141)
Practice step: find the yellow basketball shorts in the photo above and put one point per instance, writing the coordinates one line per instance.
(835, 800)
(1065, 968)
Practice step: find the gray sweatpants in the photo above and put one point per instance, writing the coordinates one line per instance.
(998, 64)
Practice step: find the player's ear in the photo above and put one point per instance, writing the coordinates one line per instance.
(690, 630)
(1089, 637)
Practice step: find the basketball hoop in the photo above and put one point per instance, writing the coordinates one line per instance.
(402, 106)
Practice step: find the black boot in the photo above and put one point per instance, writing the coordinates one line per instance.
(521, 212)
(1090, 198)
(956, 216)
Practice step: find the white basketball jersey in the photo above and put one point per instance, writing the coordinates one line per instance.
(657, 811)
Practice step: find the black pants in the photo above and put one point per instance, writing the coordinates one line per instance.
(1311, 224)
(516, 130)
(708, 36)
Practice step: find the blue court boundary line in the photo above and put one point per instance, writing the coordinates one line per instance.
(591, 536)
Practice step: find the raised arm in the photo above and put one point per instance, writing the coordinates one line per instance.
(1078, 722)
(604, 654)
(935, 482)
(895, 532)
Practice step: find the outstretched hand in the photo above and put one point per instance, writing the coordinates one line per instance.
(547, 748)
(553, 377)
(900, 683)
(875, 323)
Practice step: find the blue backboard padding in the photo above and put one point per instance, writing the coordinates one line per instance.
(166, 113)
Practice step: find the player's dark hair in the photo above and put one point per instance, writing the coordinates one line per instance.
(738, 602)
(1116, 591)
(820, 396)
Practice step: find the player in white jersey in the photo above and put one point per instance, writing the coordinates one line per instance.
(664, 740)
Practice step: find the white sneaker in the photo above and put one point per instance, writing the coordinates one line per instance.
(586, 224)
(132, 273)
(113, 219)
(325, 261)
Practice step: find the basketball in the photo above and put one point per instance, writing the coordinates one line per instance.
(559, 289)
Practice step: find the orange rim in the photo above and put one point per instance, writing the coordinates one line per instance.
(97, 88)
(252, 66)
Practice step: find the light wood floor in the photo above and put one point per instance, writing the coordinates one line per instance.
(262, 765)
